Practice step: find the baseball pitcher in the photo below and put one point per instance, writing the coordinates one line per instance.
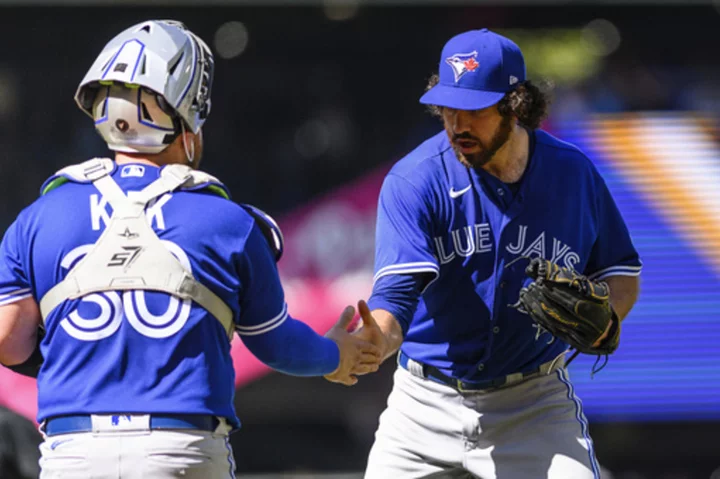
(498, 249)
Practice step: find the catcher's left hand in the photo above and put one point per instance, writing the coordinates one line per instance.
(571, 307)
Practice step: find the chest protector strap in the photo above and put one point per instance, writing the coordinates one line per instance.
(129, 255)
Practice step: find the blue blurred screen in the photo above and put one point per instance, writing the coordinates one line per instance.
(663, 173)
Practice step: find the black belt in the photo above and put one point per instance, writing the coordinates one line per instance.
(431, 372)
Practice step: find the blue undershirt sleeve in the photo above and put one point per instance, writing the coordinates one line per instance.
(294, 348)
(281, 342)
(399, 294)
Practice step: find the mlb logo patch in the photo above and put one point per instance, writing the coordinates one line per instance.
(116, 419)
(120, 422)
(132, 170)
(462, 63)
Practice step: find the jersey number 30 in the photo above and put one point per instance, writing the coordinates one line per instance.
(113, 306)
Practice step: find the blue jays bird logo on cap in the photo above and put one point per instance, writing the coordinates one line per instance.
(462, 63)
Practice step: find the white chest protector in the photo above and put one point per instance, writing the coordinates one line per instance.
(129, 255)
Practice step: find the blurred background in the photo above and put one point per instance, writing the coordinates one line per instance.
(314, 101)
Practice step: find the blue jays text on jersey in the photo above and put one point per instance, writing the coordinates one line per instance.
(141, 351)
(460, 227)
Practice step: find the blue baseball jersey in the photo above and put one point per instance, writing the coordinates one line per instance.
(141, 351)
(459, 228)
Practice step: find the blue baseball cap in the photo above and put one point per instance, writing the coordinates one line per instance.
(477, 69)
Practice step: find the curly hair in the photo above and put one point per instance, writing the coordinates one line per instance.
(528, 102)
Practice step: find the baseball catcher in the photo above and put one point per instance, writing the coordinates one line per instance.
(127, 317)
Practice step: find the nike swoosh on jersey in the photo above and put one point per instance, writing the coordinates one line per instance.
(455, 194)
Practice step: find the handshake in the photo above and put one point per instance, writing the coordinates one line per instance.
(361, 351)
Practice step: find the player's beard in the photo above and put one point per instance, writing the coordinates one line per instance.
(486, 153)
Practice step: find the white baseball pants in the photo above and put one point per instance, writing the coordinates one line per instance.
(533, 430)
(158, 454)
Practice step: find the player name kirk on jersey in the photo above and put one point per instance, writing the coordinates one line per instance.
(477, 239)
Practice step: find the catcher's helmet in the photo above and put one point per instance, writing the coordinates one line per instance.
(145, 82)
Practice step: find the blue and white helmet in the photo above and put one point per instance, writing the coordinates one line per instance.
(148, 83)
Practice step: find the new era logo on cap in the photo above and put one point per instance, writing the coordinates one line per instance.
(513, 79)
(462, 63)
